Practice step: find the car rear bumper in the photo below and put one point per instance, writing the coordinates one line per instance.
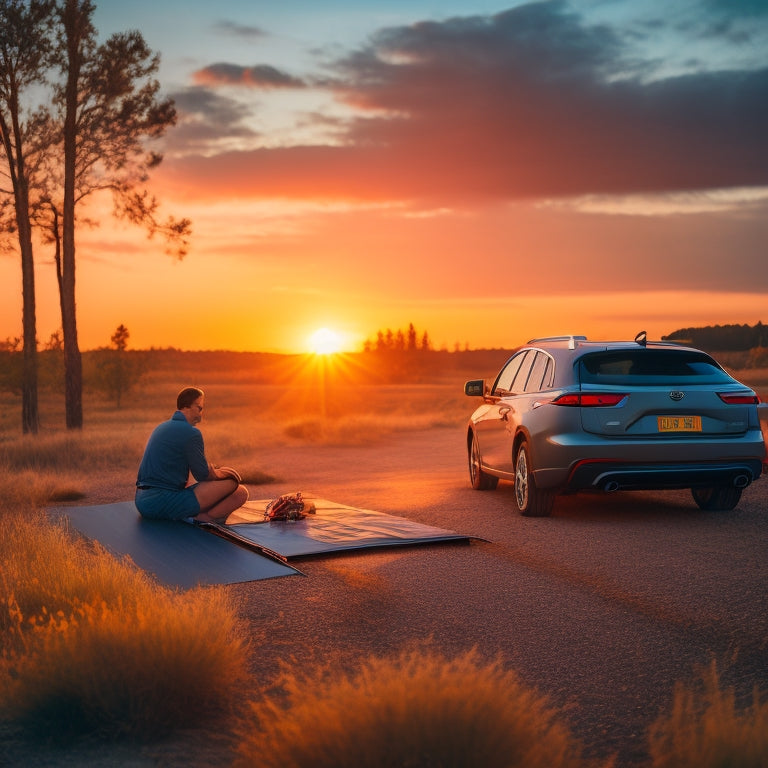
(610, 475)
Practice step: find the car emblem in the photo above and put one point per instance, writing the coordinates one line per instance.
(676, 394)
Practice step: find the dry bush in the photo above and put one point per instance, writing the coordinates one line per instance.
(705, 729)
(92, 645)
(418, 709)
(44, 569)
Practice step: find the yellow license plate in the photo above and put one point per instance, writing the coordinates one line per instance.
(679, 423)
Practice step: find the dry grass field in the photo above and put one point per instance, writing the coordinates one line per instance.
(95, 652)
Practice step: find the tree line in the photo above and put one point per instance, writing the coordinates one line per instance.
(110, 370)
(408, 340)
(76, 117)
(719, 338)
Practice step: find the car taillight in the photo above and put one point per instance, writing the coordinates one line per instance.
(739, 399)
(590, 399)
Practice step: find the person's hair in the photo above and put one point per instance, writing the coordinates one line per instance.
(187, 396)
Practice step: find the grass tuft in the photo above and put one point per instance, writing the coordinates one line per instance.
(93, 646)
(66, 494)
(705, 729)
(417, 709)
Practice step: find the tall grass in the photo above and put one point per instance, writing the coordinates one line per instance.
(416, 709)
(706, 729)
(45, 570)
(58, 465)
(91, 645)
(138, 669)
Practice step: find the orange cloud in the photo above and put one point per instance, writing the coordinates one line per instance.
(258, 76)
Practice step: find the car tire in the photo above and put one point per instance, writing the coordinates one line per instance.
(718, 497)
(531, 501)
(480, 481)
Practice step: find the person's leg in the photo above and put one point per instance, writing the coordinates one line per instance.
(217, 498)
(162, 504)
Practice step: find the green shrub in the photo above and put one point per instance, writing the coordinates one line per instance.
(418, 709)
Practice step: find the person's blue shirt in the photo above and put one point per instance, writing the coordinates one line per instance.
(174, 449)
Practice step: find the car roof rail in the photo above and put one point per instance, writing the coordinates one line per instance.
(570, 339)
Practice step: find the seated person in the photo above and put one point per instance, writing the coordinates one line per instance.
(174, 450)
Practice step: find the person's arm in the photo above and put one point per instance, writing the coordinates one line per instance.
(221, 473)
(201, 468)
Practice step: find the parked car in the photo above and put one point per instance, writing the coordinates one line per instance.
(566, 414)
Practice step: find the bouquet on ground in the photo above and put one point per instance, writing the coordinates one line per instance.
(289, 506)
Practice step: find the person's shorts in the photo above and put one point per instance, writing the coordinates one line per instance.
(161, 504)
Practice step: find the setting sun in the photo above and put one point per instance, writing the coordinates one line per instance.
(324, 341)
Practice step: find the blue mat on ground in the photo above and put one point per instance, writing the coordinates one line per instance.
(333, 528)
(178, 554)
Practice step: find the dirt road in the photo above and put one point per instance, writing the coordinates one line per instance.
(602, 607)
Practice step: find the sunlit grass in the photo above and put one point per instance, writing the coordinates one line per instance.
(126, 669)
(72, 451)
(91, 645)
(47, 569)
(362, 429)
(416, 709)
(706, 729)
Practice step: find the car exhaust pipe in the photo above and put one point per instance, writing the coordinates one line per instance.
(740, 481)
(611, 486)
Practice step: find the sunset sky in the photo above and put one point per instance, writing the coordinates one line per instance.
(490, 171)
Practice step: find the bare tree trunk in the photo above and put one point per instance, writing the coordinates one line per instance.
(73, 364)
(30, 417)
(28, 49)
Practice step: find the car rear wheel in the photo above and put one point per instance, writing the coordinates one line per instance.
(481, 481)
(718, 497)
(531, 501)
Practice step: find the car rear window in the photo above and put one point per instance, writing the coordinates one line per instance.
(646, 367)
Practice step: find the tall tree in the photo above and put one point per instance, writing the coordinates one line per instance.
(26, 54)
(109, 106)
(114, 370)
(411, 343)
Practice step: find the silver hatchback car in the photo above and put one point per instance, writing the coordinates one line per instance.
(566, 414)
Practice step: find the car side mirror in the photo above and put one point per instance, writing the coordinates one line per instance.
(475, 388)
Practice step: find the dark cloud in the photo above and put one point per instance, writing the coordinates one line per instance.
(737, 8)
(258, 76)
(738, 22)
(206, 116)
(527, 103)
(239, 30)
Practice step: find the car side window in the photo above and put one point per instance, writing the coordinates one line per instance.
(549, 374)
(537, 379)
(518, 385)
(506, 377)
